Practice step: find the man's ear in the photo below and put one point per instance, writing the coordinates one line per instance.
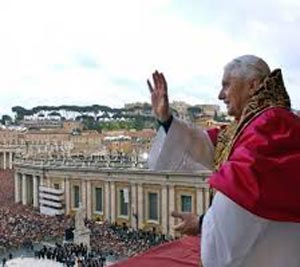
(253, 86)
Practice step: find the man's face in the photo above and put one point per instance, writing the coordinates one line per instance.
(234, 92)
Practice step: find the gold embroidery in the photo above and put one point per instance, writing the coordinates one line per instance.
(271, 93)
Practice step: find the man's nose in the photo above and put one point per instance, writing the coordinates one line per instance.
(221, 95)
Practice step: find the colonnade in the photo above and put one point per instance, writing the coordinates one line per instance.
(6, 159)
(27, 189)
(76, 186)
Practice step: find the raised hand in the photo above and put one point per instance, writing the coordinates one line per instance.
(159, 97)
(189, 224)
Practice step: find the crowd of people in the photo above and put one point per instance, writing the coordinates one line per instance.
(122, 241)
(108, 241)
(22, 227)
(70, 255)
(20, 224)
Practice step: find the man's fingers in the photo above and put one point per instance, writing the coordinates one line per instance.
(164, 82)
(178, 227)
(160, 83)
(150, 86)
(174, 213)
(155, 76)
(177, 214)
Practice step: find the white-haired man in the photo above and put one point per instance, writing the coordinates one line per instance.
(254, 219)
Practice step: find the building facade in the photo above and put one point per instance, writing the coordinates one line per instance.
(65, 143)
(139, 198)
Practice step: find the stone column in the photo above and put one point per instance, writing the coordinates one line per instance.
(134, 216)
(140, 206)
(67, 196)
(35, 191)
(199, 201)
(113, 202)
(107, 201)
(88, 200)
(83, 195)
(4, 160)
(10, 160)
(48, 182)
(171, 208)
(17, 188)
(206, 198)
(24, 189)
(164, 210)
(42, 180)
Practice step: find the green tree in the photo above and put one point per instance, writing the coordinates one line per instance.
(6, 120)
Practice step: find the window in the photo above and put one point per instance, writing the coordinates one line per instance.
(186, 203)
(153, 206)
(56, 186)
(124, 202)
(76, 196)
(98, 199)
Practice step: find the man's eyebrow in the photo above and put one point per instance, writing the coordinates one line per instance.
(224, 82)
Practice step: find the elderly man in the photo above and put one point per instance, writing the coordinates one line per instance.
(254, 219)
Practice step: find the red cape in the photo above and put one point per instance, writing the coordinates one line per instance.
(184, 252)
(262, 173)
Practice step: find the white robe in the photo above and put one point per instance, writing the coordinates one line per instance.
(234, 237)
(184, 148)
(231, 236)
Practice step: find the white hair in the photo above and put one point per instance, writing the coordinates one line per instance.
(248, 67)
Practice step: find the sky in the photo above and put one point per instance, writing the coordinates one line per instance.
(61, 52)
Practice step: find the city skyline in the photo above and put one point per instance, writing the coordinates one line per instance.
(102, 52)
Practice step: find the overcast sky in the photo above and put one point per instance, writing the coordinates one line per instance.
(101, 52)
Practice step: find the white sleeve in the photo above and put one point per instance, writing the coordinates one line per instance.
(185, 148)
(229, 232)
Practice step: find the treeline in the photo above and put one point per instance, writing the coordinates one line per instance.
(21, 111)
(137, 122)
(99, 117)
(94, 117)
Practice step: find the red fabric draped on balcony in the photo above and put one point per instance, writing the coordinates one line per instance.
(184, 252)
